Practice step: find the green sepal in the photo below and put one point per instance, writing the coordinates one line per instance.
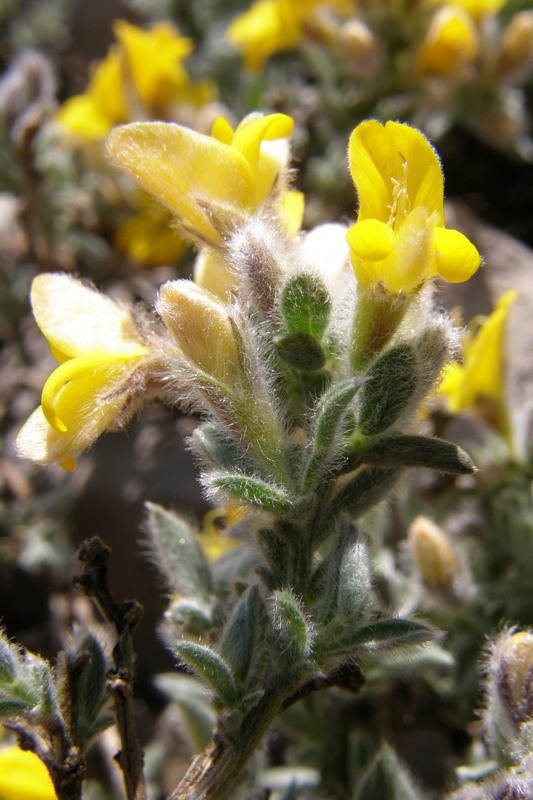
(370, 640)
(293, 627)
(193, 700)
(9, 655)
(386, 778)
(250, 490)
(329, 415)
(178, 554)
(219, 450)
(306, 305)
(210, 667)
(239, 640)
(419, 451)
(389, 386)
(41, 674)
(301, 351)
(92, 691)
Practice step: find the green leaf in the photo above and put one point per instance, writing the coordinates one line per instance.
(389, 386)
(301, 351)
(354, 580)
(191, 697)
(192, 615)
(242, 630)
(306, 305)
(252, 490)
(385, 634)
(9, 657)
(419, 451)
(294, 628)
(386, 779)
(211, 667)
(177, 553)
(368, 486)
(213, 444)
(93, 696)
(329, 415)
(274, 548)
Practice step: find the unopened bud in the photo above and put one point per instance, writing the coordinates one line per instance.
(361, 48)
(434, 553)
(200, 324)
(516, 48)
(510, 687)
(450, 46)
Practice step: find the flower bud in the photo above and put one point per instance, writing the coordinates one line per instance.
(361, 48)
(509, 687)
(450, 46)
(434, 554)
(516, 48)
(200, 325)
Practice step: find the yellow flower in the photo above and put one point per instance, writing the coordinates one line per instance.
(480, 381)
(399, 240)
(476, 8)
(138, 79)
(102, 358)
(450, 45)
(148, 236)
(209, 182)
(23, 776)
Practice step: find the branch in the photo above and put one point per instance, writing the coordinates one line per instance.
(125, 617)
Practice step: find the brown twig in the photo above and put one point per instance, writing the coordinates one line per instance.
(125, 617)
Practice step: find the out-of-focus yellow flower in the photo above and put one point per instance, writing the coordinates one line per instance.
(516, 46)
(476, 8)
(271, 26)
(215, 541)
(149, 236)
(23, 776)
(451, 44)
(399, 240)
(480, 381)
(139, 79)
(101, 355)
(209, 182)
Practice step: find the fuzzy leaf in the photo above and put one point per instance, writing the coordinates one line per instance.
(301, 351)
(193, 616)
(178, 554)
(293, 626)
(306, 305)
(274, 548)
(420, 451)
(386, 778)
(368, 486)
(354, 580)
(193, 701)
(219, 450)
(329, 415)
(241, 632)
(211, 667)
(389, 386)
(252, 490)
(382, 635)
(92, 691)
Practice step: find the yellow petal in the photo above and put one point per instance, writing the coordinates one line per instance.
(154, 60)
(90, 382)
(77, 319)
(395, 169)
(222, 131)
(293, 207)
(456, 258)
(23, 776)
(371, 240)
(212, 272)
(185, 170)
(451, 43)
(260, 140)
(265, 29)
